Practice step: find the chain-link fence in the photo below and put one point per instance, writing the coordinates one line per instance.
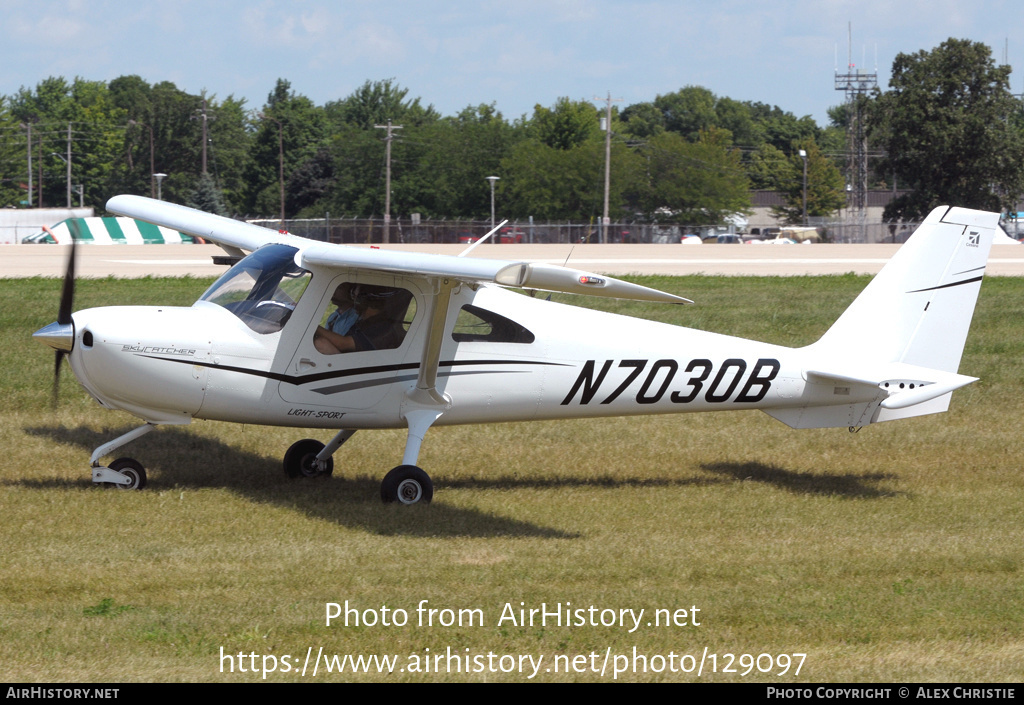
(859, 232)
(366, 230)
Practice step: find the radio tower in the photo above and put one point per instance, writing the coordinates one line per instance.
(856, 84)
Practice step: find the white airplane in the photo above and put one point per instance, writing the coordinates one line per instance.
(442, 340)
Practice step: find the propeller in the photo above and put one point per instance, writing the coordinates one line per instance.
(67, 296)
(61, 335)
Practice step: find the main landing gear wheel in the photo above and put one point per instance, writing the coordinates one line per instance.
(300, 460)
(407, 484)
(133, 470)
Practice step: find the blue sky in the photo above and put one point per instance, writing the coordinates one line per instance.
(513, 53)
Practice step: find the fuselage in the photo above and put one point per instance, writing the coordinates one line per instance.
(172, 364)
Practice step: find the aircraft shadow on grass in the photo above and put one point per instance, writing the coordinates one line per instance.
(859, 486)
(185, 460)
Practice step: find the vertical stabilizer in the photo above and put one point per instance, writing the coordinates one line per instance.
(918, 309)
(898, 345)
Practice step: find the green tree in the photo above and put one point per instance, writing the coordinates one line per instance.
(643, 120)
(96, 132)
(461, 152)
(558, 170)
(13, 158)
(825, 185)
(946, 131)
(173, 120)
(358, 151)
(769, 169)
(780, 128)
(688, 112)
(376, 102)
(207, 196)
(290, 126)
(568, 124)
(699, 182)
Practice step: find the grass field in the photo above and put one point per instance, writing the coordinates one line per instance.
(893, 554)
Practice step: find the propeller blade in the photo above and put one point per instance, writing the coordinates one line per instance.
(67, 296)
(57, 360)
(67, 293)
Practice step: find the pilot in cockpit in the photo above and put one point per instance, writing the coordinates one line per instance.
(375, 313)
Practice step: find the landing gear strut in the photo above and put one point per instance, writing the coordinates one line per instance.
(123, 473)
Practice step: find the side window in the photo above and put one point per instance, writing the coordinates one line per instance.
(364, 317)
(476, 324)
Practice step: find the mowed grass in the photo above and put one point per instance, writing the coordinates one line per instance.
(893, 554)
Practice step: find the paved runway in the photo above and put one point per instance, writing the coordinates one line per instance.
(752, 260)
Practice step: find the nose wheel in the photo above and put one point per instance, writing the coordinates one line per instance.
(407, 484)
(123, 473)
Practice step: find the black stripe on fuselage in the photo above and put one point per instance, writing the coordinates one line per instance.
(339, 374)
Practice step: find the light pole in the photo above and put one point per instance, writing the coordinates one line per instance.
(159, 186)
(803, 155)
(493, 179)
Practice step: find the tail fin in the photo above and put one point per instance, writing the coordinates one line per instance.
(919, 308)
(905, 333)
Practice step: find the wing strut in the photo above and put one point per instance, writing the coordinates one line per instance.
(424, 404)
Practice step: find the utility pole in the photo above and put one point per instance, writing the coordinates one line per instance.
(152, 158)
(28, 126)
(280, 159)
(387, 179)
(204, 117)
(39, 163)
(605, 219)
(69, 165)
(204, 135)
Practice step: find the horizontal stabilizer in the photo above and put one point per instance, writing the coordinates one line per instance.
(907, 385)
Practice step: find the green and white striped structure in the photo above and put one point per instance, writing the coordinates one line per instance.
(115, 231)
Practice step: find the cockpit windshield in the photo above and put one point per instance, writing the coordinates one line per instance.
(261, 289)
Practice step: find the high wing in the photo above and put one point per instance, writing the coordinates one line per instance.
(424, 404)
(236, 237)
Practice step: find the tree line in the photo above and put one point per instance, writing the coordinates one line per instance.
(949, 130)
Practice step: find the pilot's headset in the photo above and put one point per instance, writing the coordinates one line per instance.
(372, 296)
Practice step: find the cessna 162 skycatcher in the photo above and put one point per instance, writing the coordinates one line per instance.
(420, 339)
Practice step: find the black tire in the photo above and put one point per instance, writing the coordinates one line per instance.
(298, 460)
(133, 469)
(407, 484)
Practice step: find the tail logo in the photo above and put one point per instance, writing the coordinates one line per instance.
(974, 239)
